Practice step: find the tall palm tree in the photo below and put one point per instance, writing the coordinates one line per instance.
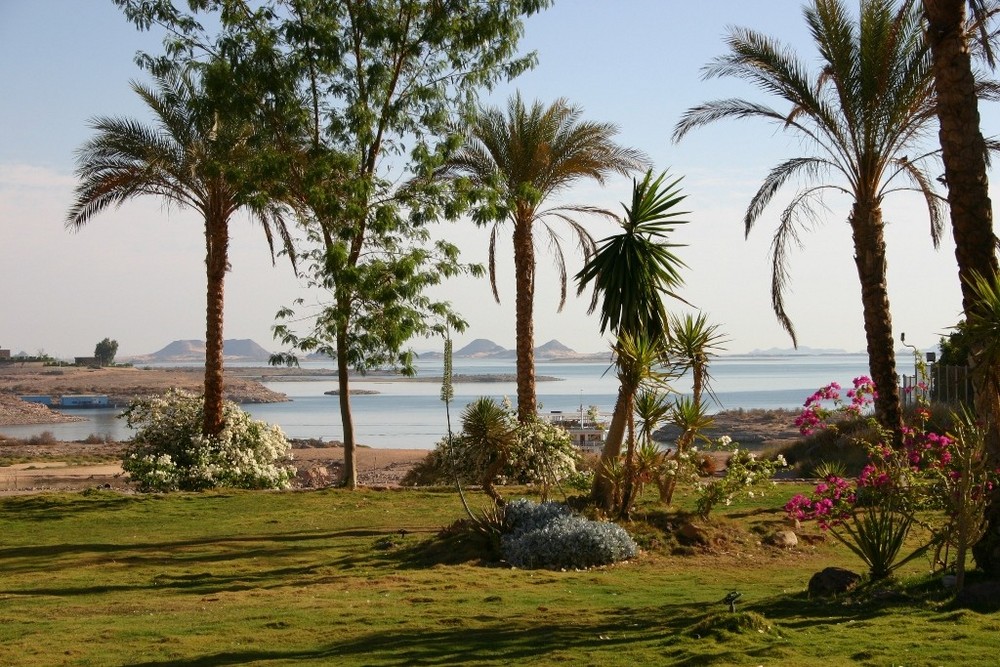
(523, 157)
(864, 112)
(631, 273)
(191, 158)
(963, 151)
(963, 148)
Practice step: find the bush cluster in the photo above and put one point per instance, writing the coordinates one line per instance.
(537, 452)
(169, 452)
(549, 535)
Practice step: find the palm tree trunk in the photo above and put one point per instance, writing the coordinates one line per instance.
(963, 151)
(350, 478)
(869, 257)
(524, 267)
(216, 260)
(602, 492)
(630, 485)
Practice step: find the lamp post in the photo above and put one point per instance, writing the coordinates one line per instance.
(916, 360)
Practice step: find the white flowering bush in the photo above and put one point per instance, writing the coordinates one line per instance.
(549, 535)
(746, 475)
(169, 452)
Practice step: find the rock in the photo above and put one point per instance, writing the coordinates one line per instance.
(692, 534)
(315, 477)
(784, 539)
(983, 597)
(832, 581)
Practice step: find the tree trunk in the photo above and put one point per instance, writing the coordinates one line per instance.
(630, 485)
(524, 267)
(602, 492)
(963, 152)
(350, 479)
(963, 149)
(216, 260)
(869, 257)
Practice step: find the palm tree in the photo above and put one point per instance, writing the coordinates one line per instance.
(963, 148)
(489, 439)
(191, 158)
(692, 343)
(633, 271)
(523, 157)
(963, 151)
(865, 110)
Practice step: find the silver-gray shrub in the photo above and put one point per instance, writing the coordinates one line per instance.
(549, 535)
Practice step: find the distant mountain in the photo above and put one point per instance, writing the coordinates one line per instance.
(803, 350)
(186, 351)
(554, 350)
(482, 348)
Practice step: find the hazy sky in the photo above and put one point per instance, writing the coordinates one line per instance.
(136, 274)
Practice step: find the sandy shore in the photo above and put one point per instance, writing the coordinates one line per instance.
(318, 467)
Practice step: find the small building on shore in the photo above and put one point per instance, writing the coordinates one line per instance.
(41, 399)
(83, 401)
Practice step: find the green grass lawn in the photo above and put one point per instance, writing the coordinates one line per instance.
(326, 577)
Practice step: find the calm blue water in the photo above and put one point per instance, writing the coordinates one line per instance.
(411, 414)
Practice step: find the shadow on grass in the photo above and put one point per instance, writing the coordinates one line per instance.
(457, 645)
(54, 507)
(665, 629)
(246, 554)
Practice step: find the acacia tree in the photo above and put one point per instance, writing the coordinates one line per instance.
(521, 157)
(191, 158)
(865, 111)
(105, 352)
(364, 93)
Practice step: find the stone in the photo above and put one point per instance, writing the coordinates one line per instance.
(692, 534)
(832, 581)
(785, 539)
(983, 597)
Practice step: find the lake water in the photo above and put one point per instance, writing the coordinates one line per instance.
(411, 414)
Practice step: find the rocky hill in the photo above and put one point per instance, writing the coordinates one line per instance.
(483, 348)
(190, 351)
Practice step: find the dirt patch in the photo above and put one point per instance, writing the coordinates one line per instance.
(755, 429)
(74, 466)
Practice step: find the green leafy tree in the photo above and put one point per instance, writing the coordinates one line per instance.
(362, 96)
(864, 111)
(190, 158)
(522, 157)
(105, 352)
(954, 347)
(631, 273)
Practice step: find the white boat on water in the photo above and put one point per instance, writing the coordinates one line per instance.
(585, 428)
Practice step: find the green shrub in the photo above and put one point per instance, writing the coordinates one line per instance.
(43, 438)
(494, 447)
(169, 452)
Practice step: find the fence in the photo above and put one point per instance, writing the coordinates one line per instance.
(945, 384)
